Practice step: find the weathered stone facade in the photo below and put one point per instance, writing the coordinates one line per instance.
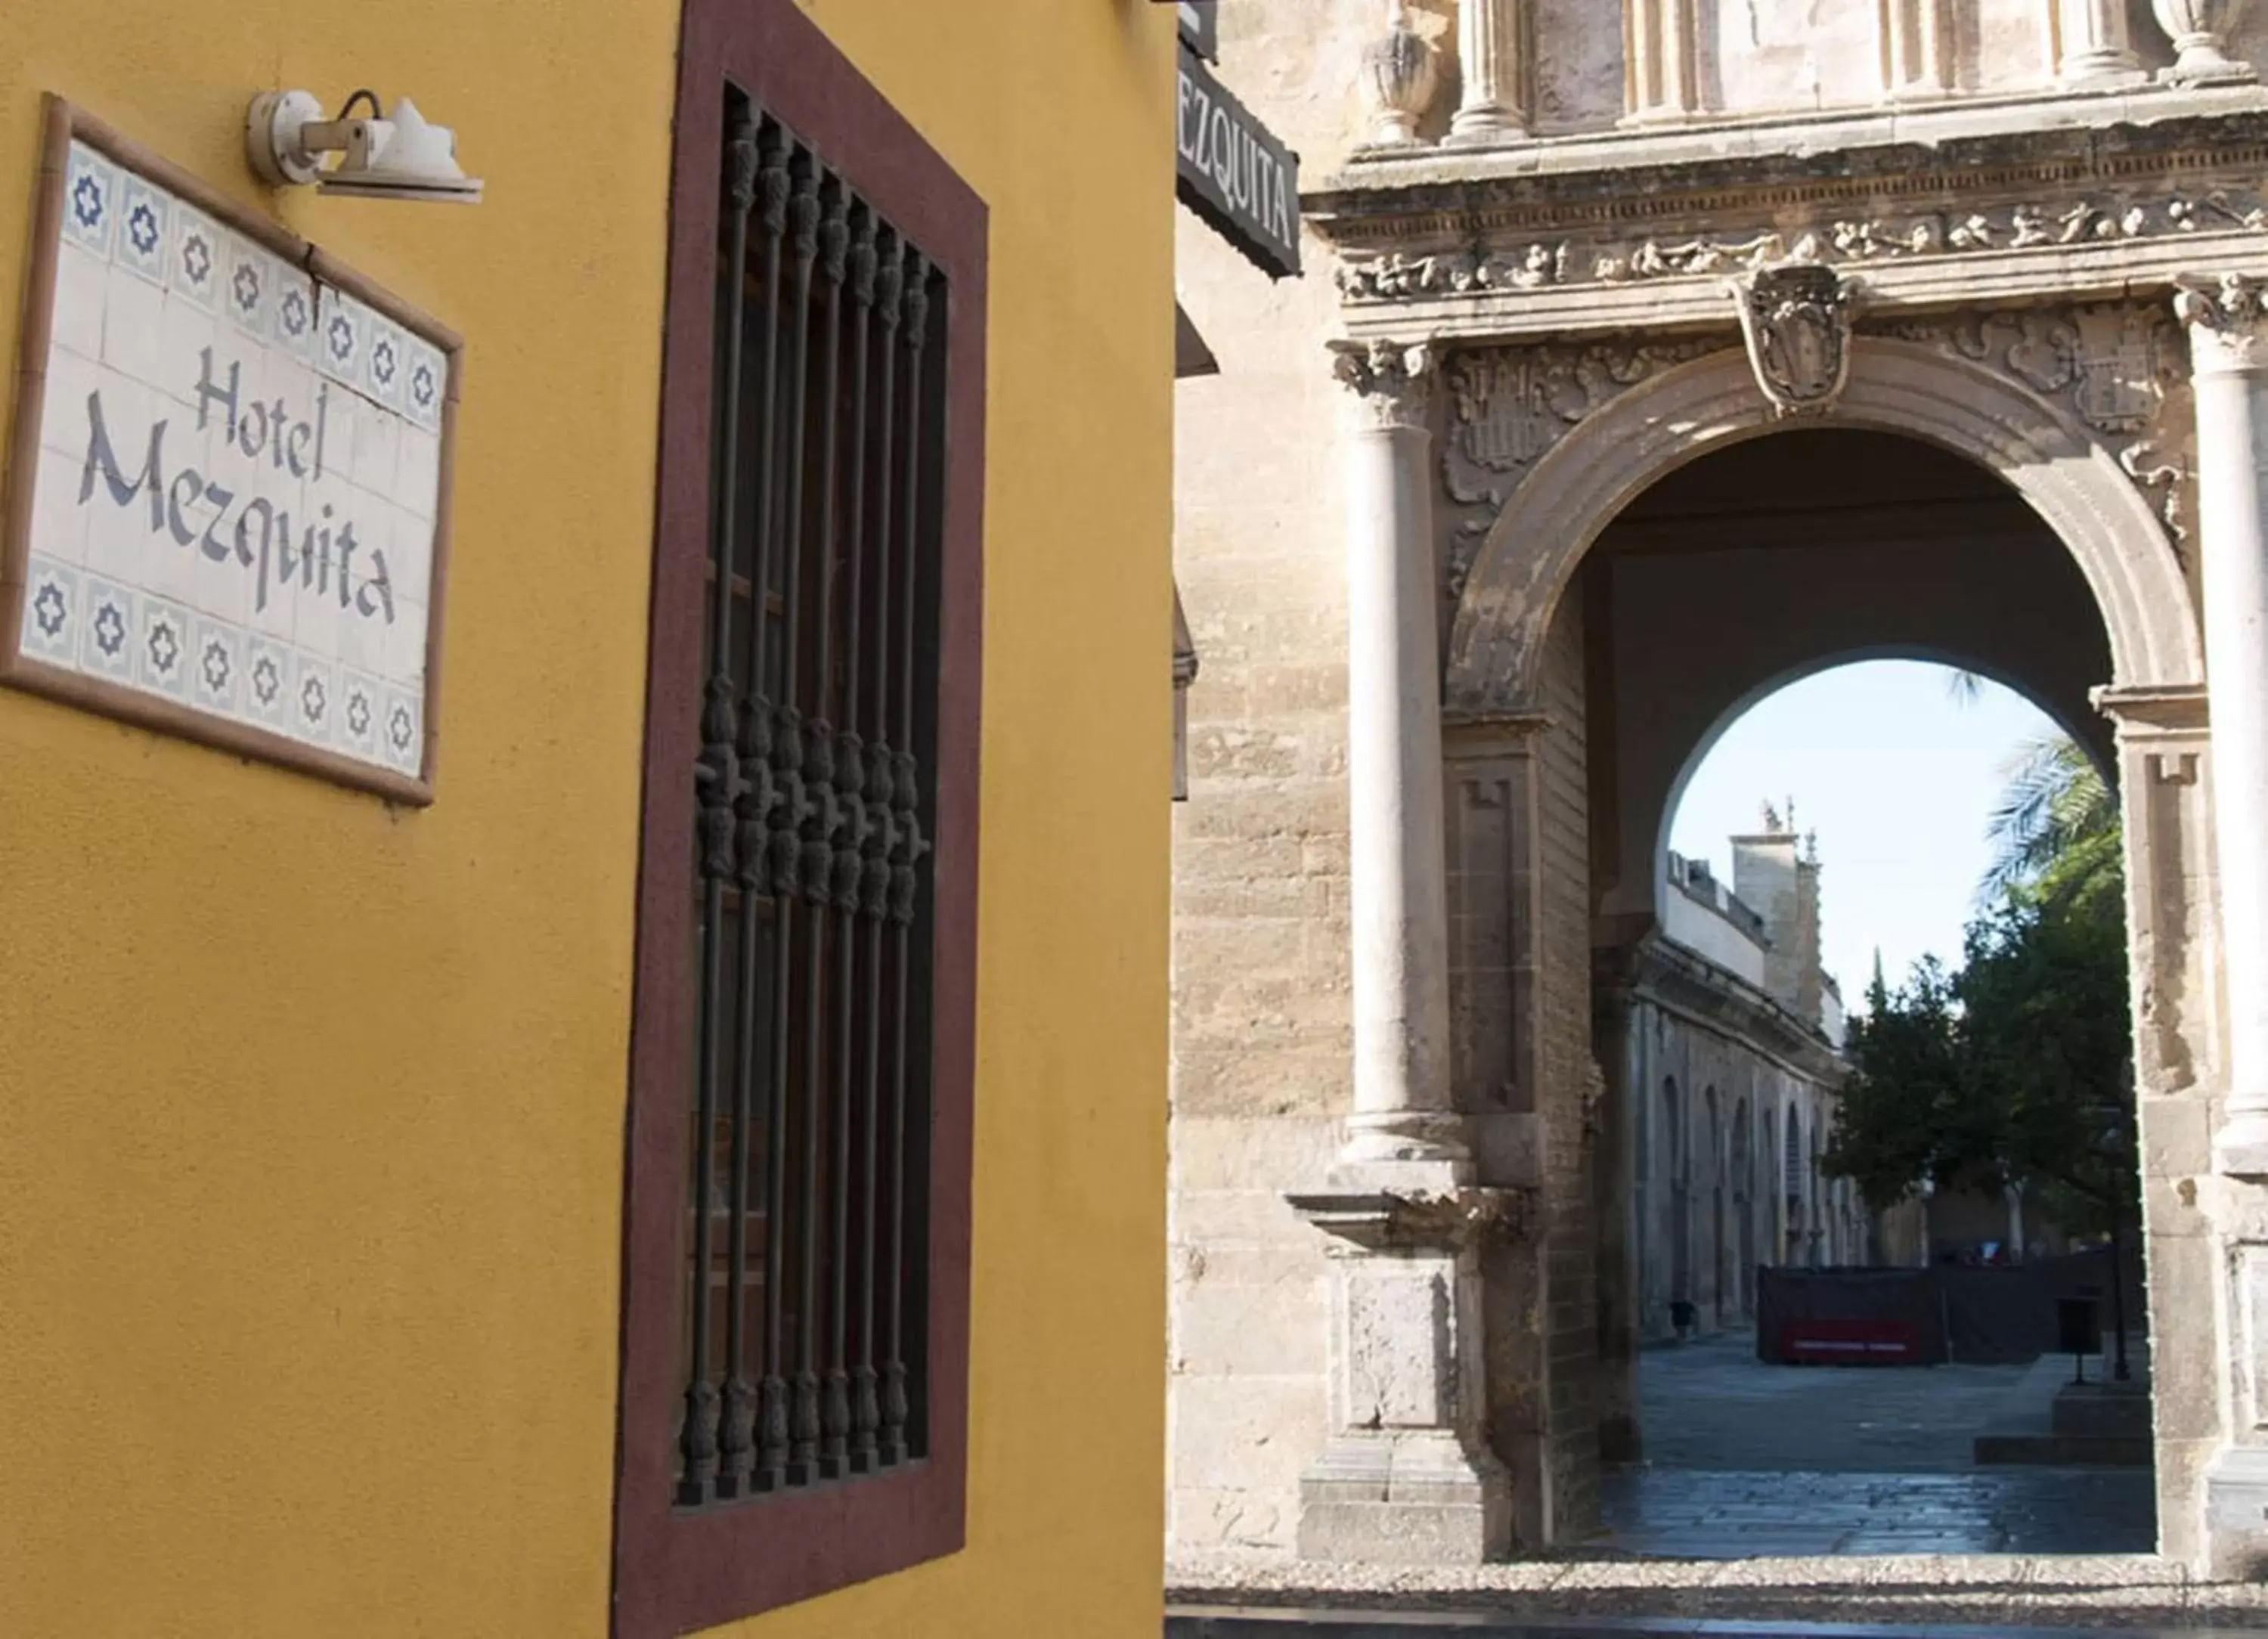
(1680, 352)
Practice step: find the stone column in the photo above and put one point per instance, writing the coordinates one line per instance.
(1406, 1474)
(1492, 56)
(2096, 48)
(1660, 68)
(2228, 322)
(1404, 1122)
(1916, 35)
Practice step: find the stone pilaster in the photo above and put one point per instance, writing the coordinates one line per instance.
(1662, 77)
(2096, 45)
(1917, 38)
(1493, 56)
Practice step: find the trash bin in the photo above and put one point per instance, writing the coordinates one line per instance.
(2079, 1326)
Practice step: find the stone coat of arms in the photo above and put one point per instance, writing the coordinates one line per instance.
(1796, 319)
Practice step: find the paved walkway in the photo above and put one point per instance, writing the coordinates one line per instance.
(1747, 1460)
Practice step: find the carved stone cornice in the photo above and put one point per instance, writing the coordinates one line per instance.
(2228, 320)
(1385, 1220)
(1633, 182)
(1389, 384)
(2068, 212)
(2143, 713)
(1691, 986)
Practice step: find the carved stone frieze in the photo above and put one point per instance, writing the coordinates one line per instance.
(1508, 406)
(2119, 369)
(1538, 263)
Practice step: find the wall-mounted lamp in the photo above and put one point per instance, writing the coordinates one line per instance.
(286, 134)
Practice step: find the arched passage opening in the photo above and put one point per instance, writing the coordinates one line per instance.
(1678, 558)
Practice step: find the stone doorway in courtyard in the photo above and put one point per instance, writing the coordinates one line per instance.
(1734, 625)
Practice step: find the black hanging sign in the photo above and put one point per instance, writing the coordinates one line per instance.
(1201, 28)
(1235, 173)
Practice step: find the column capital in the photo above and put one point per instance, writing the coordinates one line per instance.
(1390, 383)
(2142, 710)
(2228, 320)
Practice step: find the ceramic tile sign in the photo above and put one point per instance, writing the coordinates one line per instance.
(235, 503)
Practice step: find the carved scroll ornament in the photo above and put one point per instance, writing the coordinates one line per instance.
(2117, 369)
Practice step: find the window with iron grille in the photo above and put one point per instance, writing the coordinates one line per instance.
(804, 1292)
(795, 1294)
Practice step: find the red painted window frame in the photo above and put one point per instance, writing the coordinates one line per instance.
(676, 1571)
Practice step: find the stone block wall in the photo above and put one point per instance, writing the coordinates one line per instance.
(1262, 1022)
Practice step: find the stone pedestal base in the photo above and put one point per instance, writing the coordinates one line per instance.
(1405, 1499)
(1406, 1476)
(2240, 1150)
(2236, 1514)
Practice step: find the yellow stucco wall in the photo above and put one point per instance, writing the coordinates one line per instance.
(311, 1110)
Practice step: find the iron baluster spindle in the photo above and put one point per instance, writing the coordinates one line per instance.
(823, 817)
(716, 779)
(787, 827)
(905, 853)
(782, 553)
(742, 1396)
(874, 885)
(850, 784)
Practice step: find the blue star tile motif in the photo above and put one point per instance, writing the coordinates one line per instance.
(48, 609)
(87, 202)
(399, 728)
(358, 712)
(216, 665)
(197, 257)
(382, 362)
(267, 680)
(110, 629)
(315, 699)
(164, 645)
(341, 337)
(422, 386)
(295, 314)
(142, 226)
(247, 285)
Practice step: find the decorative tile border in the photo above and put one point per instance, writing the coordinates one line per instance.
(160, 649)
(283, 607)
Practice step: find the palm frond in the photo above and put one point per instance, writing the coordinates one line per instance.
(2055, 801)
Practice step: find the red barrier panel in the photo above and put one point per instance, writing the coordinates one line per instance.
(1848, 1343)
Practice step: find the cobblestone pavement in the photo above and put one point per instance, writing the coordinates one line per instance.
(1875, 1516)
(1745, 1459)
(1713, 1405)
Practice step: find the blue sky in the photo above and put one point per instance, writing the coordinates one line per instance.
(1898, 778)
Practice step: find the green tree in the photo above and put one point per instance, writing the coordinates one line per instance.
(2014, 1070)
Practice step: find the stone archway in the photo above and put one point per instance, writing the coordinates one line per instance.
(1513, 705)
(1551, 520)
